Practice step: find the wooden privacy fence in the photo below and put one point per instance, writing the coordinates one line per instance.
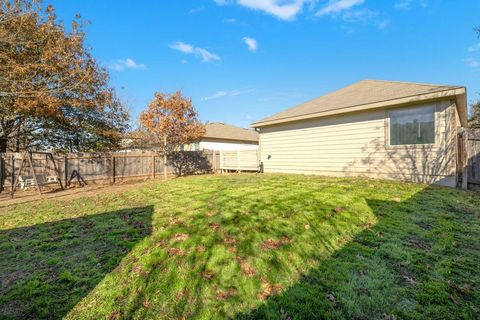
(468, 158)
(106, 166)
(240, 160)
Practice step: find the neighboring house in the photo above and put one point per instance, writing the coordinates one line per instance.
(379, 129)
(220, 136)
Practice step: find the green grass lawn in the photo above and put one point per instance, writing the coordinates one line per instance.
(245, 247)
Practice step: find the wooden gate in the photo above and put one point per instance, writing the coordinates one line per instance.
(468, 164)
(240, 160)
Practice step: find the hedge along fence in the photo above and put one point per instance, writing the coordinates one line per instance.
(107, 167)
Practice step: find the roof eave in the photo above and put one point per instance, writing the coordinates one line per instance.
(458, 93)
(230, 139)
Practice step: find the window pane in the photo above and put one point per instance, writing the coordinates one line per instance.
(412, 126)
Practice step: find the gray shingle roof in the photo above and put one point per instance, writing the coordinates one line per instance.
(218, 130)
(362, 93)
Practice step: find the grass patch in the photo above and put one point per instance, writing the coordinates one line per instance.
(247, 247)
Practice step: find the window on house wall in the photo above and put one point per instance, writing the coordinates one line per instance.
(412, 126)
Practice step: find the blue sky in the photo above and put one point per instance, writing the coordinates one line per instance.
(241, 60)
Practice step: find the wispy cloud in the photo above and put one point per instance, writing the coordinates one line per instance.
(196, 10)
(403, 4)
(231, 93)
(128, 63)
(338, 6)
(251, 43)
(282, 9)
(474, 48)
(356, 16)
(473, 62)
(352, 11)
(203, 54)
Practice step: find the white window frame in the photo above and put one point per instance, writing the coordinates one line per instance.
(436, 134)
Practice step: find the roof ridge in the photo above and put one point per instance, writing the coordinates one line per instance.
(410, 82)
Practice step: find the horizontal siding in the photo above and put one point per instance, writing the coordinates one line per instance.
(355, 144)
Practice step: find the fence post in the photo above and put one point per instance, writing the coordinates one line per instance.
(214, 161)
(465, 160)
(65, 169)
(238, 160)
(12, 171)
(153, 166)
(113, 168)
(221, 161)
(2, 173)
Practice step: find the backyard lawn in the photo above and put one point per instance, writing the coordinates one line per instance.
(245, 247)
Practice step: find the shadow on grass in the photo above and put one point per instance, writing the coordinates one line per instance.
(46, 269)
(419, 261)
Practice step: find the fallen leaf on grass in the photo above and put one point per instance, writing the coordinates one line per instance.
(181, 237)
(409, 280)
(182, 294)
(210, 213)
(213, 225)
(223, 295)
(275, 243)
(246, 268)
(454, 300)
(465, 290)
(269, 289)
(229, 240)
(146, 304)
(115, 315)
(208, 275)
(175, 252)
(331, 298)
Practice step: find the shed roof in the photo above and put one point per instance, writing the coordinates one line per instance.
(363, 95)
(218, 130)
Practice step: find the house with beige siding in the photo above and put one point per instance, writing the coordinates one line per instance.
(224, 137)
(372, 128)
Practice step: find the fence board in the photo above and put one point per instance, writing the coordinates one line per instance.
(469, 157)
(99, 166)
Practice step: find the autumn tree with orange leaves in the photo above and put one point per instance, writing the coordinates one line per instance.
(170, 121)
(53, 94)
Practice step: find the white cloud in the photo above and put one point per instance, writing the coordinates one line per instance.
(251, 43)
(346, 10)
(382, 25)
(204, 54)
(363, 15)
(231, 93)
(338, 6)
(403, 4)
(196, 10)
(474, 48)
(472, 62)
(282, 9)
(128, 63)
